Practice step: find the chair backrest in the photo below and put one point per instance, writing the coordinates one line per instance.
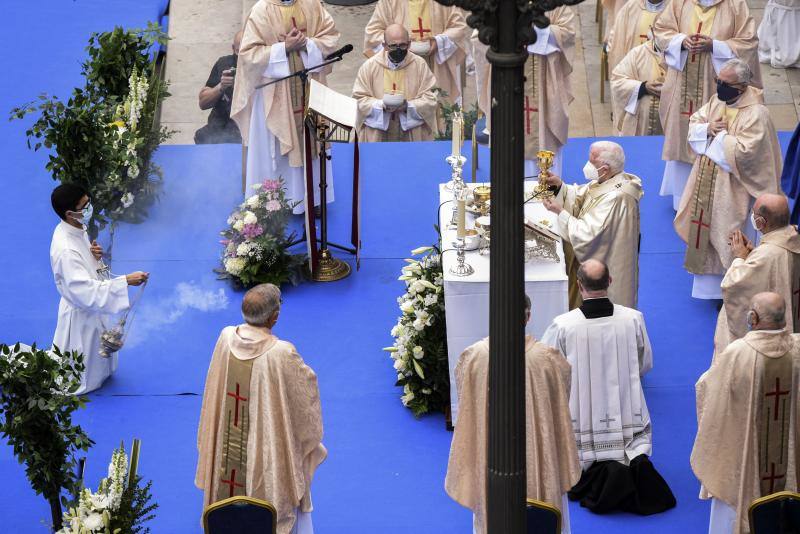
(542, 518)
(240, 515)
(778, 513)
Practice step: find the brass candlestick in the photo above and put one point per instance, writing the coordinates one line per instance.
(545, 162)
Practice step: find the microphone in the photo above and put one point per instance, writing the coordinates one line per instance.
(339, 53)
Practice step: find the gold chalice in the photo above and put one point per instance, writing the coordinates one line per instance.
(545, 162)
(482, 195)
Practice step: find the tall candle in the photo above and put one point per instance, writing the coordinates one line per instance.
(461, 230)
(456, 134)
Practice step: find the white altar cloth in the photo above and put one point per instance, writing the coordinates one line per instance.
(467, 298)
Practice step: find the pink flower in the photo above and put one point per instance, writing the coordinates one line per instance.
(272, 205)
(271, 185)
(252, 230)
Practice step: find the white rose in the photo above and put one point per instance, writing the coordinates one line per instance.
(416, 287)
(407, 307)
(422, 315)
(250, 218)
(418, 353)
(419, 326)
(399, 365)
(253, 201)
(93, 521)
(238, 225)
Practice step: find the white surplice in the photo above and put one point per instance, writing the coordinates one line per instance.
(87, 299)
(264, 158)
(608, 355)
(778, 44)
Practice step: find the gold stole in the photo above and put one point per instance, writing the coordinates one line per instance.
(694, 71)
(293, 17)
(657, 74)
(394, 82)
(703, 204)
(419, 20)
(232, 471)
(530, 107)
(775, 406)
(645, 21)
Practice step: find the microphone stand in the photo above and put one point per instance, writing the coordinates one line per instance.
(323, 184)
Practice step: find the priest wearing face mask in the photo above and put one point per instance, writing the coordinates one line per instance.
(698, 37)
(738, 159)
(394, 89)
(636, 90)
(774, 265)
(600, 220)
(88, 294)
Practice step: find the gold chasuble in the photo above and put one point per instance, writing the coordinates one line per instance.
(233, 467)
(694, 72)
(747, 429)
(640, 65)
(394, 83)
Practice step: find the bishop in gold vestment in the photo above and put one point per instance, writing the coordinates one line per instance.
(748, 443)
(739, 163)
(260, 432)
(547, 87)
(728, 31)
(774, 265)
(271, 118)
(600, 220)
(637, 76)
(550, 452)
(410, 79)
(438, 34)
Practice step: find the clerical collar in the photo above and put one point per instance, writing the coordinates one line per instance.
(654, 7)
(778, 331)
(594, 308)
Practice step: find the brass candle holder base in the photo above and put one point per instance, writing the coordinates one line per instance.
(330, 269)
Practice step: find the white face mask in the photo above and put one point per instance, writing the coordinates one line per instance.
(590, 172)
(753, 222)
(85, 215)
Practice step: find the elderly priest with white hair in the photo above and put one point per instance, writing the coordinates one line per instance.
(608, 350)
(260, 432)
(747, 407)
(774, 265)
(551, 457)
(600, 219)
(738, 159)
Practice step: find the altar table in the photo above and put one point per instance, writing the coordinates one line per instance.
(467, 298)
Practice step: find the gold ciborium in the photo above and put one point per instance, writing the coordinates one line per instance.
(482, 194)
(545, 162)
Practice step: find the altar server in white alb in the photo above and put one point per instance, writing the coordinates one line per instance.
(778, 42)
(87, 295)
(601, 220)
(608, 349)
(280, 37)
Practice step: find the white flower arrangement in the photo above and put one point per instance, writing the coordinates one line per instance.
(94, 511)
(419, 352)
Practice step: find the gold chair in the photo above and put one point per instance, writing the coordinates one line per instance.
(778, 513)
(542, 518)
(240, 515)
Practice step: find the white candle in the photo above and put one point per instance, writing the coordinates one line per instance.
(461, 230)
(456, 134)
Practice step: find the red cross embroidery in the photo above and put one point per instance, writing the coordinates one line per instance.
(691, 109)
(700, 224)
(238, 398)
(232, 484)
(777, 394)
(294, 25)
(420, 30)
(528, 109)
(772, 477)
(699, 27)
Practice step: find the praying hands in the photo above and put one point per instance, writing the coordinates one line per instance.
(294, 40)
(740, 245)
(697, 43)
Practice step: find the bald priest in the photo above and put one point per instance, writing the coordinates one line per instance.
(394, 90)
(260, 432)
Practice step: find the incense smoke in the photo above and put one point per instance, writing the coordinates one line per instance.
(150, 317)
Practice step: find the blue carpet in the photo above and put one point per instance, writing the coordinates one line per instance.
(386, 470)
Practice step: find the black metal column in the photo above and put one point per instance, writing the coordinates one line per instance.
(506, 481)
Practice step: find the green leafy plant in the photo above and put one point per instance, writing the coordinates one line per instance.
(137, 508)
(103, 137)
(470, 117)
(37, 403)
(419, 351)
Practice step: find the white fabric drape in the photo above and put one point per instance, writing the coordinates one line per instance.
(778, 42)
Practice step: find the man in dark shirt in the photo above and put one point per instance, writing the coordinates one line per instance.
(217, 95)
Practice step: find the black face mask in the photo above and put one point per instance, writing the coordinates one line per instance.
(398, 55)
(727, 92)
